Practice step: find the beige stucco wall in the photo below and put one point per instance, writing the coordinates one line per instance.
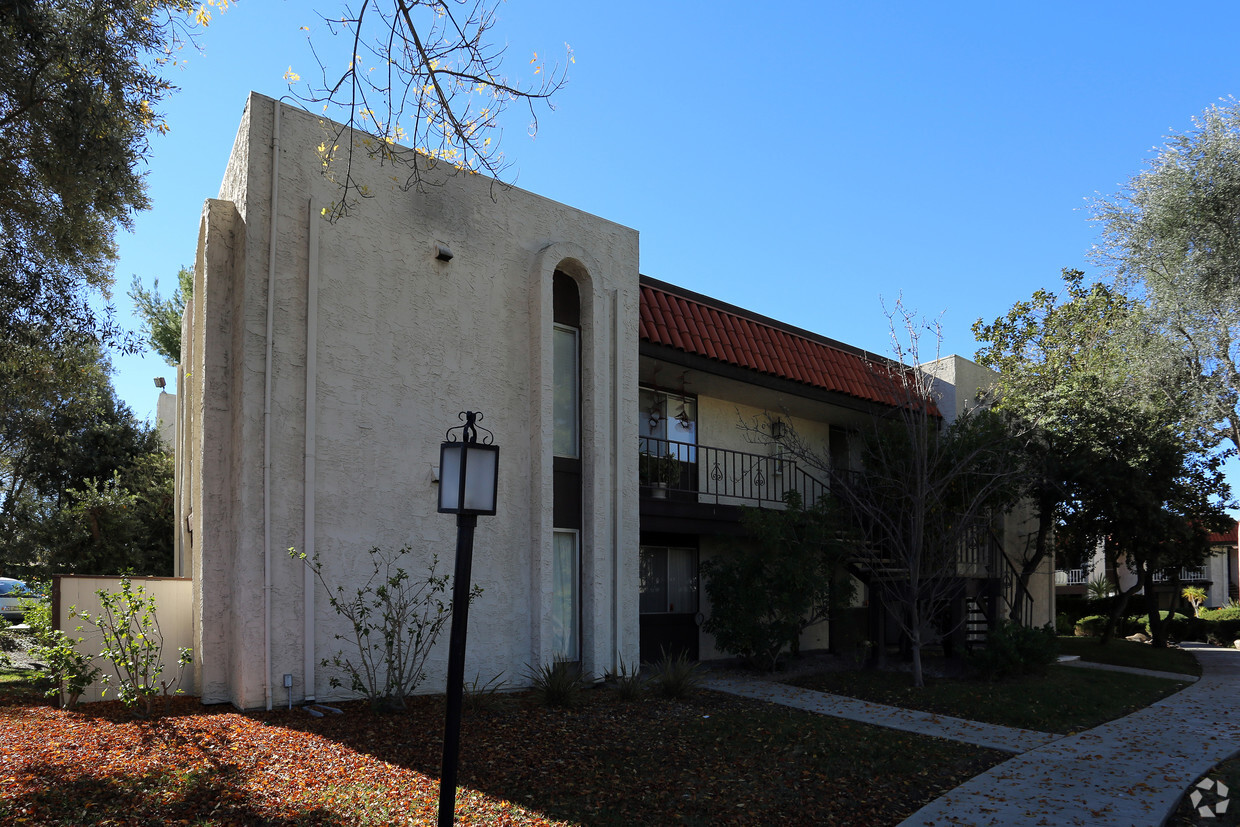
(400, 343)
(173, 618)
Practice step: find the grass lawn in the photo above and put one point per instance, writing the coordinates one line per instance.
(1127, 653)
(712, 759)
(1066, 699)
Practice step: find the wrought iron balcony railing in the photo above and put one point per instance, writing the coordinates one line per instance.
(702, 473)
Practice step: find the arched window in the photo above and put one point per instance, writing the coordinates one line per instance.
(566, 465)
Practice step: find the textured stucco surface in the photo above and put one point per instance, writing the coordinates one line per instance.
(403, 343)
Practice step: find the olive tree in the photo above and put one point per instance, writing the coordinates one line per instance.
(1171, 239)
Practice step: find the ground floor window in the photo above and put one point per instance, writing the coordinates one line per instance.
(566, 594)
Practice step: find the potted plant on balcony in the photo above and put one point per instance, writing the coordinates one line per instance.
(658, 472)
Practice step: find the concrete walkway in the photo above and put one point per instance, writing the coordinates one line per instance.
(1128, 772)
(1008, 739)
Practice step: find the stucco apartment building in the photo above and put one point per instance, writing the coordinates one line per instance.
(324, 362)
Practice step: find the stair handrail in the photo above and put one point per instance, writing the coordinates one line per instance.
(1016, 596)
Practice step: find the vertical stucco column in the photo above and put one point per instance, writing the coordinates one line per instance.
(209, 443)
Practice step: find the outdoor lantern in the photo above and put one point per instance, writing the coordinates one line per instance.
(468, 473)
(468, 480)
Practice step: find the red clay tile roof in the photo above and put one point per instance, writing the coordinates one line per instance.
(1228, 536)
(688, 323)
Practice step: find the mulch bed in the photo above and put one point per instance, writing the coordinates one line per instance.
(711, 759)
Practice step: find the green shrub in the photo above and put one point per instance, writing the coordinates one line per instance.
(1090, 626)
(629, 682)
(1218, 626)
(1012, 650)
(394, 620)
(483, 696)
(675, 677)
(1179, 628)
(558, 684)
(1226, 613)
(1064, 622)
(782, 579)
(134, 644)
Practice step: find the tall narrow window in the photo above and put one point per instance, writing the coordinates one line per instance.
(566, 405)
(566, 595)
(566, 453)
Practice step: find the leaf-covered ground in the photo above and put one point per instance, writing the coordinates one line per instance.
(712, 759)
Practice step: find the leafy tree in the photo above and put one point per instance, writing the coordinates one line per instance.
(426, 74)
(1150, 499)
(1059, 357)
(84, 486)
(767, 591)
(1171, 238)
(161, 318)
(1118, 459)
(79, 87)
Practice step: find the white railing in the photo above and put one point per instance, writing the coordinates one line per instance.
(1187, 575)
(1071, 577)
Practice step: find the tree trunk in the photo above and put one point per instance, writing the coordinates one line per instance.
(1046, 507)
(1160, 627)
(919, 679)
(1117, 610)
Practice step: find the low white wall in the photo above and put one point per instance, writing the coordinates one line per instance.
(72, 594)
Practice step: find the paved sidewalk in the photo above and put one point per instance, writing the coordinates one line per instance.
(1131, 771)
(1128, 772)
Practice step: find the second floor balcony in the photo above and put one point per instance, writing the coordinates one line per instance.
(692, 473)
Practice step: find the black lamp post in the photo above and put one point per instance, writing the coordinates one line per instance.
(468, 480)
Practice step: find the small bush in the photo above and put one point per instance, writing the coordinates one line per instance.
(629, 682)
(8, 640)
(1090, 626)
(1064, 622)
(1012, 650)
(1179, 627)
(1225, 613)
(134, 645)
(394, 620)
(1093, 625)
(675, 677)
(558, 684)
(483, 696)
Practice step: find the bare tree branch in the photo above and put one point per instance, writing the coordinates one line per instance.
(440, 91)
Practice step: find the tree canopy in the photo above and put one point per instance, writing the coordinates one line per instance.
(84, 486)
(80, 84)
(1171, 239)
(161, 317)
(1117, 457)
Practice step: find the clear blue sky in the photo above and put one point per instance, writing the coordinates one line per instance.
(802, 159)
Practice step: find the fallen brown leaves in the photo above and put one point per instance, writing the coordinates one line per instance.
(713, 759)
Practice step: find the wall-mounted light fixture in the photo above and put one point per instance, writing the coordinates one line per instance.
(777, 429)
(443, 252)
(160, 383)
